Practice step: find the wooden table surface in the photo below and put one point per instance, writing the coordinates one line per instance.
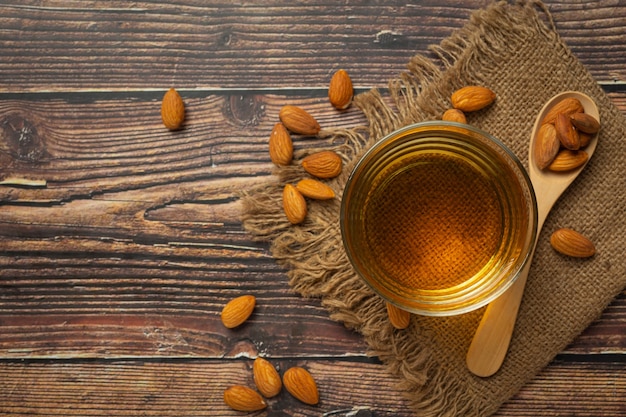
(113, 273)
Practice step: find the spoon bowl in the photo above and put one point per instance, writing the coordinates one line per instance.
(493, 335)
(552, 184)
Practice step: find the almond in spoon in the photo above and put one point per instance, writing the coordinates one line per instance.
(567, 106)
(547, 145)
(585, 123)
(566, 132)
(567, 160)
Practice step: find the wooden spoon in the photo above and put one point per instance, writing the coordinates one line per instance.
(491, 341)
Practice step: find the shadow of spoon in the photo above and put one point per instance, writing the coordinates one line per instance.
(493, 335)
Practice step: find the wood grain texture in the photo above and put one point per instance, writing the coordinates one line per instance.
(116, 46)
(195, 388)
(120, 241)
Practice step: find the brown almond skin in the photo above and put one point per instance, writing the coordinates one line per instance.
(324, 164)
(472, 98)
(567, 160)
(298, 120)
(266, 378)
(280, 145)
(546, 146)
(294, 204)
(340, 90)
(242, 398)
(399, 318)
(454, 115)
(571, 243)
(299, 383)
(237, 311)
(585, 123)
(567, 106)
(585, 139)
(315, 189)
(172, 110)
(565, 131)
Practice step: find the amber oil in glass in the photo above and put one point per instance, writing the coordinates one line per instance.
(439, 218)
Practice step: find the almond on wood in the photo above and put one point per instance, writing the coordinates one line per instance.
(300, 383)
(280, 145)
(241, 398)
(298, 120)
(340, 90)
(266, 378)
(172, 110)
(237, 311)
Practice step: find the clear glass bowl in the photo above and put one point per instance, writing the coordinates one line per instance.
(438, 218)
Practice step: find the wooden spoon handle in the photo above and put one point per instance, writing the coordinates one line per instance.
(491, 341)
(493, 335)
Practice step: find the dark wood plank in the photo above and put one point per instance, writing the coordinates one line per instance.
(572, 389)
(195, 388)
(197, 44)
(113, 273)
(188, 388)
(144, 253)
(112, 143)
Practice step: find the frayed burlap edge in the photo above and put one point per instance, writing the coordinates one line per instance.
(312, 252)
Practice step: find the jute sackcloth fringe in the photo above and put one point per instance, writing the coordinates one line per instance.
(512, 50)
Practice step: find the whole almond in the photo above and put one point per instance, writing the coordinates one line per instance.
(237, 311)
(294, 204)
(565, 131)
(266, 378)
(567, 106)
(324, 164)
(298, 120)
(299, 382)
(340, 90)
(172, 110)
(315, 189)
(280, 145)
(585, 122)
(546, 145)
(472, 98)
(241, 398)
(454, 115)
(571, 243)
(566, 160)
(399, 318)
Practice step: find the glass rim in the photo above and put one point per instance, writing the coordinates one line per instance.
(444, 130)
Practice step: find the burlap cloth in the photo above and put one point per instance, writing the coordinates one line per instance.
(515, 51)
